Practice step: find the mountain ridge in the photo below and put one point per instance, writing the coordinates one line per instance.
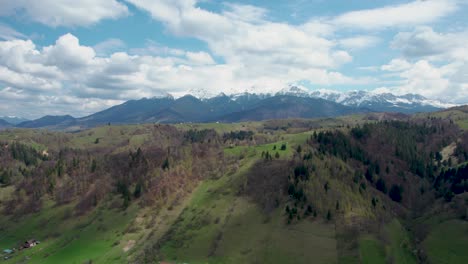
(290, 102)
(361, 97)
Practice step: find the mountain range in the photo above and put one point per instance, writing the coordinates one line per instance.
(291, 102)
(378, 102)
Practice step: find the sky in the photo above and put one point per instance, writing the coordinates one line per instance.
(72, 57)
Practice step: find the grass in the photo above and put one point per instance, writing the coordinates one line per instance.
(77, 239)
(463, 124)
(447, 242)
(218, 226)
(400, 244)
(25, 136)
(272, 241)
(291, 141)
(256, 151)
(396, 247)
(371, 251)
(222, 127)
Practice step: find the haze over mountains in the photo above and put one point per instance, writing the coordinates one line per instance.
(291, 102)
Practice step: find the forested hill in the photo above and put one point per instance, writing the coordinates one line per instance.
(357, 189)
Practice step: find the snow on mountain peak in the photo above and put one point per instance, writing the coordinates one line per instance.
(354, 98)
(163, 96)
(202, 93)
(295, 90)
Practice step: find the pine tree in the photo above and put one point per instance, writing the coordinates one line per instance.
(165, 165)
(299, 149)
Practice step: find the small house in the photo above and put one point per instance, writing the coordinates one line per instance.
(30, 243)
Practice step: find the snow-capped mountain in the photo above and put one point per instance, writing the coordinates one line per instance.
(202, 93)
(291, 102)
(371, 100)
(408, 103)
(294, 90)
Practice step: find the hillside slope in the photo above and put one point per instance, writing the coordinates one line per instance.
(347, 190)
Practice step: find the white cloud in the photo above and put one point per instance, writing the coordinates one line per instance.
(153, 48)
(27, 81)
(424, 78)
(8, 33)
(22, 57)
(248, 41)
(433, 64)
(200, 58)
(247, 13)
(318, 28)
(64, 12)
(408, 14)
(109, 46)
(424, 42)
(183, 18)
(396, 65)
(447, 82)
(359, 42)
(67, 53)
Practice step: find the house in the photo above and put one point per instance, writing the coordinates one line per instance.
(30, 243)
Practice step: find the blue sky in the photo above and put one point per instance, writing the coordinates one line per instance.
(78, 57)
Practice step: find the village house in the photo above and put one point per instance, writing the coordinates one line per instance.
(30, 243)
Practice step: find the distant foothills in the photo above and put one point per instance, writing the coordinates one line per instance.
(291, 102)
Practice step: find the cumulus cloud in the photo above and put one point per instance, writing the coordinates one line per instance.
(408, 14)
(424, 78)
(64, 12)
(68, 54)
(424, 42)
(433, 64)
(447, 82)
(245, 37)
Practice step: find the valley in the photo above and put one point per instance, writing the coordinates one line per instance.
(349, 189)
